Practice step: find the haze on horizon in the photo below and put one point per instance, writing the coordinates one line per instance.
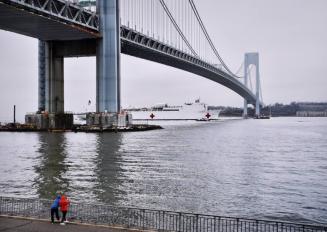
(290, 36)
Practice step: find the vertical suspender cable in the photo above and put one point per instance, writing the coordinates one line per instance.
(177, 17)
(171, 34)
(163, 4)
(209, 39)
(164, 27)
(182, 23)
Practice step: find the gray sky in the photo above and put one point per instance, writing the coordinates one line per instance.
(290, 36)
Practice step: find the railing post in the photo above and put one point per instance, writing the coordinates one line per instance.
(282, 224)
(197, 222)
(164, 220)
(276, 226)
(128, 218)
(219, 223)
(180, 222)
(158, 220)
(12, 205)
(214, 223)
(237, 221)
(37, 209)
(143, 212)
(159, 227)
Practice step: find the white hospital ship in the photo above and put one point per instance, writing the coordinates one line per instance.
(188, 111)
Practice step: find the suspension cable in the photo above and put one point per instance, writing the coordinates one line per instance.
(209, 39)
(249, 77)
(260, 92)
(177, 27)
(240, 69)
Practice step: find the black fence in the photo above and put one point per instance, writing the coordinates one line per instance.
(149, 219)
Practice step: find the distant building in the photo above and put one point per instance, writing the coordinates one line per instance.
(311, 113)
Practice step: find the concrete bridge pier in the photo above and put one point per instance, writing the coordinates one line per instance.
(54, 81)
(107, 66)
(51, 79)
(51, 72)
(41, 77)
(51, 112)
(108, 58)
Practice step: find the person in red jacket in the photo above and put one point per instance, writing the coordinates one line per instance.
(64, 204)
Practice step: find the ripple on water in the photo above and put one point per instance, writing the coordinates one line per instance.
(273, 169)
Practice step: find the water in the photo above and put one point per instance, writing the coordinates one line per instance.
(272, 169)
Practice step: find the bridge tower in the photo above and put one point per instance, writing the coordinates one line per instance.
(252, 59)
(50, 90)
(108, 58)
(51, 70)
(50, 80)
(41, 77)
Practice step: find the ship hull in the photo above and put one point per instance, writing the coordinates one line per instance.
(174, 115)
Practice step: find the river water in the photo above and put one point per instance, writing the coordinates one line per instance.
(268, 169)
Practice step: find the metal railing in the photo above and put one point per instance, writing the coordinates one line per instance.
(149, 219)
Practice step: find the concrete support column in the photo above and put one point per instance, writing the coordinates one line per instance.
(41, 73)
(245, 109)
(257, 103)
(108, 57)
(252, 59)
(54, 80)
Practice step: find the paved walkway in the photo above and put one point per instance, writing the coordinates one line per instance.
(10, 224)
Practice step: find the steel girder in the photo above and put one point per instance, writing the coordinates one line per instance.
(137, 37)
(60, 10)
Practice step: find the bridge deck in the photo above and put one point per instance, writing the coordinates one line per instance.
(25, 22)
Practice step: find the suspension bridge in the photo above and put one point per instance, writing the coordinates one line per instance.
(169, 32)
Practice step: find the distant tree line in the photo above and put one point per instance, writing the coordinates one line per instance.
(275, 110)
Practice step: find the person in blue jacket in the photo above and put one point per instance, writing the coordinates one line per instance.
(54, 208)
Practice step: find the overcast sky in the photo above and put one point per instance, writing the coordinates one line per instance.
(290, 36)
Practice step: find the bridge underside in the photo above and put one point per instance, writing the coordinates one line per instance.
(46, 27)
(70, 38)
(133, 49)
(88, 48)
